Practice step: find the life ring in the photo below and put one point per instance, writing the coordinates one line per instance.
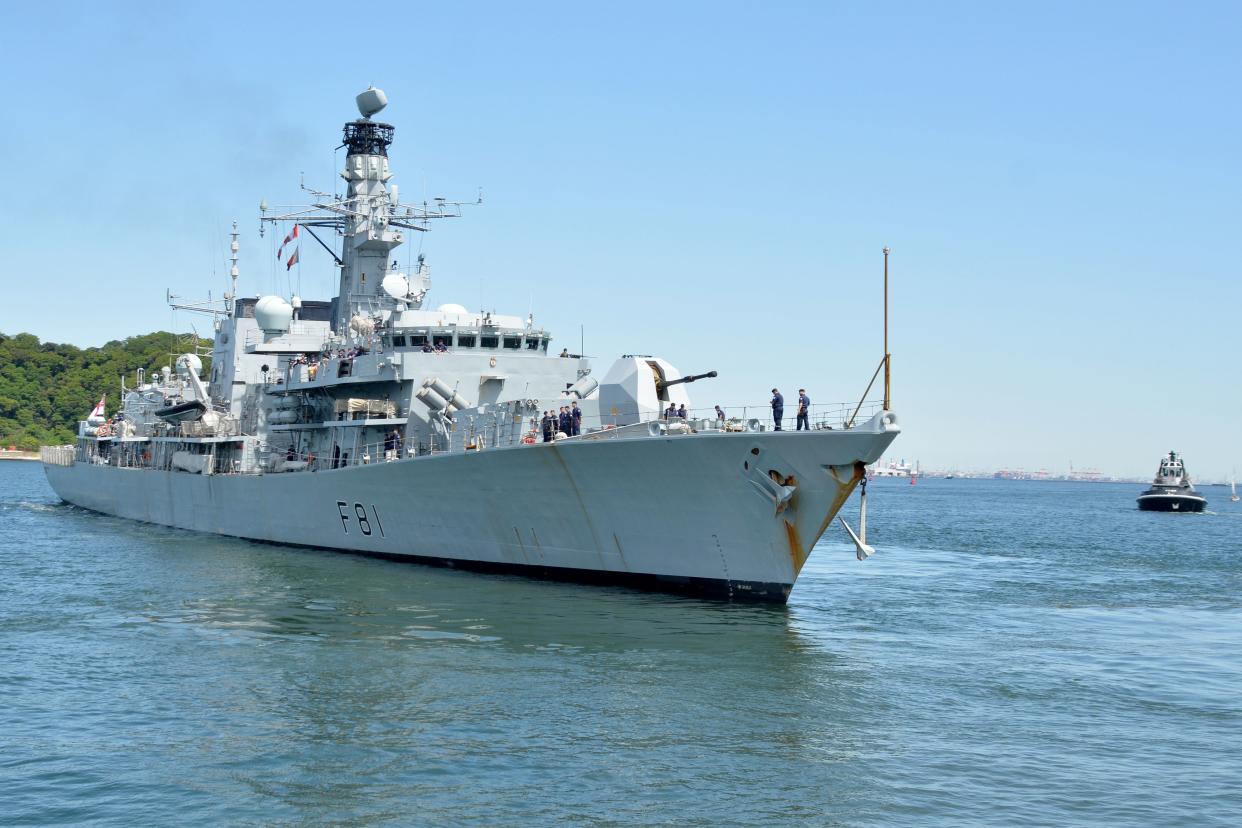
(102, 431)
(529, 439)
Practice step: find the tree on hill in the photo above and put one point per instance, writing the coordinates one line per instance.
(46, 388)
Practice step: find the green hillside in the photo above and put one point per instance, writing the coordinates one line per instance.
(46, 388)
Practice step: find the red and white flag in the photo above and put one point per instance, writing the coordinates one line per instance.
(293, 259)
(98, 410)
(293, 234)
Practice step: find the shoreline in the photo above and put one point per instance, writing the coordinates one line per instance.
(19, 455)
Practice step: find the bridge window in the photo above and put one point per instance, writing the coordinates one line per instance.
(513, 342)
(442, 339)
(465, 341)
(418, 339)
(398, 342)
(532, 343)
(489, 341)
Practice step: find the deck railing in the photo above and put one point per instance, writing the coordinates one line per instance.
(827, 416)
(56, 455)
(501, 430)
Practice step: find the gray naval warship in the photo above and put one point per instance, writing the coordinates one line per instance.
(375, 424)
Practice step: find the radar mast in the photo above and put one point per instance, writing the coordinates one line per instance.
(369, 219)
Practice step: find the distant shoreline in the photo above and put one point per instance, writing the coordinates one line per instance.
(19, 455)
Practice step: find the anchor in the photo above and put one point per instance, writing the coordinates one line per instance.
(863, 550)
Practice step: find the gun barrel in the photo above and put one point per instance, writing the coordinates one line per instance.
(690, 378)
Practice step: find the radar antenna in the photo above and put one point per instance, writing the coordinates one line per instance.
(214, 307)
(369, 220)
(371, 101)
(233, 248)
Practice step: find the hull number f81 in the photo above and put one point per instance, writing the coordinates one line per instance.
(365, 525)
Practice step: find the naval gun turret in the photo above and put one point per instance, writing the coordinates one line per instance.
(638, 388)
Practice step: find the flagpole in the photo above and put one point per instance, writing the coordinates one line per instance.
(887, 356)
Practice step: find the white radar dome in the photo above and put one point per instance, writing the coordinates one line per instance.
(452, 307)
(189, 362)
(273, 314)
(396, 285)
(371, 102)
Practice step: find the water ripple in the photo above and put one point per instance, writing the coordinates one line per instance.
(1018, 654)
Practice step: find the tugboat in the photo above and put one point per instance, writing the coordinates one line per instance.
(1171, 490)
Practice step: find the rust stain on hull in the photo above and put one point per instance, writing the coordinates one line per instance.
(844, 490)
(799, 553)
(796, 549)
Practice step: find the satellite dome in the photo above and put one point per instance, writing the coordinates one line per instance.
(273, 314)
(371, 101)
(396, 285)
(452, 307)
(190, 363)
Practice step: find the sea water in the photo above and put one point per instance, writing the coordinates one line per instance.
(1016, 653)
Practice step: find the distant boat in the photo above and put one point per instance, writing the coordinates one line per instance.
(1171, 490)
(1233, 490)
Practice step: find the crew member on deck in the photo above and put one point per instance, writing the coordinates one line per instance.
(804, 410)
(546, 423)
(392, 445)
(778, 409)
(575, 420)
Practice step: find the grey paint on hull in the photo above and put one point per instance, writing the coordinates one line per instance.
(668, 510)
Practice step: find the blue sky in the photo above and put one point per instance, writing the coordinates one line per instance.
(710, 182)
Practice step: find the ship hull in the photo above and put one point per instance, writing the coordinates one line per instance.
(687, 514)
(1163, 502)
